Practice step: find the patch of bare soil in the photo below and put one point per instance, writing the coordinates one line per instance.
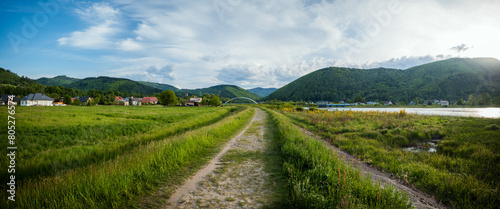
(236, 178)
(418, 198)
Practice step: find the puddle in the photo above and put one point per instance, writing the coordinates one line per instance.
(419, 149)
(430, 147)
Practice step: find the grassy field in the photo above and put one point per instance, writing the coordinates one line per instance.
(463, 172)
(319, 178)
(107, 156)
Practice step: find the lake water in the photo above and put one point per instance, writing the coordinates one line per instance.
(460, 112)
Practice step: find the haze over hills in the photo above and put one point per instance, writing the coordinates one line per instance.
(226, 91)
(262, 92)
(450, 79)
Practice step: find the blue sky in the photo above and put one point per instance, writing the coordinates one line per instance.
(192, 44)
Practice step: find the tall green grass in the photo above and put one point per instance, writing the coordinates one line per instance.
(116, 183)
(319, 178)
(463, 173)
(96, 143)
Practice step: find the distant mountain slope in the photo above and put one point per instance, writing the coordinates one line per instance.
(116, 84)
(227, 91)
(56, 81)
(160, 86)
(450, 79)
(262, 92)
(8, 78)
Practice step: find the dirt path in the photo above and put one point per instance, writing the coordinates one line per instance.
(235, 178)
(418, 198)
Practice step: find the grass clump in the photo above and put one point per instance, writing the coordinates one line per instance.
(492, 127)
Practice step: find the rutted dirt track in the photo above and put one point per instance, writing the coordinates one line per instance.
(226, 184)
(418, 198)
(244, 183)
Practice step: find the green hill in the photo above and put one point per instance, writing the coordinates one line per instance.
(160, 86)
(226, 91)
(56, 81)
(8, 77)
(450, 79)
(262, 92)
(116, 84)
(11, 83)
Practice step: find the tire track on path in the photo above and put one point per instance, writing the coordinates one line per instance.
(225, 184)
(418, 198)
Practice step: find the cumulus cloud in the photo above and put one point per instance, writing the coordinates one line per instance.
(103, 18)
(269, 43)
(405, 62)
(164, 74)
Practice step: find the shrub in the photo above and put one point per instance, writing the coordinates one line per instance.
(396, 131)
(436, 134)
(417, 135)
(370, 134)
(384, 131)
(300, 109)
(399, 141)
(313, 109)
(492, 127)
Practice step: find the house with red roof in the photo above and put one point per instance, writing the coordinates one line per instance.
(150, 100)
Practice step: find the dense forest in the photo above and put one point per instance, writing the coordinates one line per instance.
(113, 84)
(451, 79)
(160, 86)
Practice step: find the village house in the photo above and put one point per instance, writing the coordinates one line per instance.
(58, 102)
(37, 99)
(150, 100)
(133, 101)
(444, 102)
(195, 101)
(85, 100)
(387, 103)
(412, 103)
(125, 101)
(5, 100)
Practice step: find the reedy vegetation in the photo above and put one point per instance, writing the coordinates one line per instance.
(464, 171)
(53, 142)
(117, 182)
(319, 178)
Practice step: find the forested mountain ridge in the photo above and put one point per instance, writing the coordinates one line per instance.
(56, 81)
(122, 85)
(224, 91)
(450, 79)
(12, 84)
(160, 86)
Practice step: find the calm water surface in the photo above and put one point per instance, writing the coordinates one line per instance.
(460, 112)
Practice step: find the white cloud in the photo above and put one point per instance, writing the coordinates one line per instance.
(94, 37)
(130, 45)
(269, 43)
(104, 20)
